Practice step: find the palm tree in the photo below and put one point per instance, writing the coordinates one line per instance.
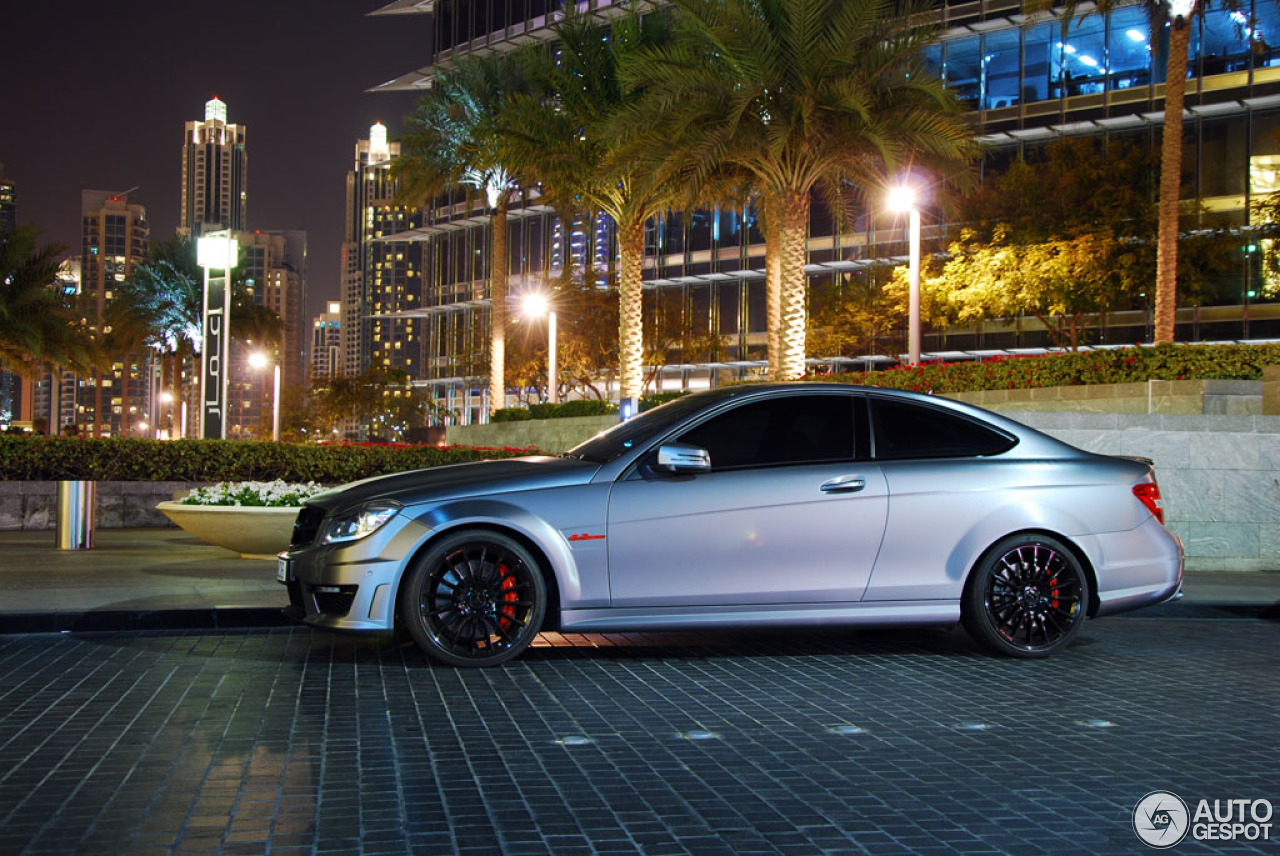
(40, 330)
(562, 132)
(804, 96)
(1178, 14)
(455, 143)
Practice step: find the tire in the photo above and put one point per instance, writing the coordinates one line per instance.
(1026, 597)
(474, 598)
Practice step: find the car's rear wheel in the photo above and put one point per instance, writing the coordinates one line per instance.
(1026, 597)
(475, 598)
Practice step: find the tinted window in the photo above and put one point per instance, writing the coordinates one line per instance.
(791, 429)
(907, 430)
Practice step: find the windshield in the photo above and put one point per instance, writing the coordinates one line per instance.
(651, 424)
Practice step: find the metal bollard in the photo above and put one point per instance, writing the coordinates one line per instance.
(75, 514)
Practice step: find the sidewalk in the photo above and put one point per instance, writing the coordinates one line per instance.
(164, 579)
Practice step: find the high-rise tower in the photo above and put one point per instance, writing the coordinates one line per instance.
(215, 167)
(114, 239)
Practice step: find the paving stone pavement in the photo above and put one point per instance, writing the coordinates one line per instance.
(299, 741)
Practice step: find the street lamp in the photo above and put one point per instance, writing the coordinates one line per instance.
(166, 399)
(259, 361)
(215, 252)
(902, 198)
(535, 305)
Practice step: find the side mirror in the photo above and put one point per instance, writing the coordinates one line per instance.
(683, 458)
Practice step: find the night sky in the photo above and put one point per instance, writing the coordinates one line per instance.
(95, 95)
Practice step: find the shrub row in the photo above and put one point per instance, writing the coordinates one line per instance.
(577, 407)
(126, 459)
(1126, 365)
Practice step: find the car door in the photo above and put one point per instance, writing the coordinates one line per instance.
(789, 513)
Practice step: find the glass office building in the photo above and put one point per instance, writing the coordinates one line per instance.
(1101, 75)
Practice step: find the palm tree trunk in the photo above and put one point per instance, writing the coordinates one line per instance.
(1170, 184)
(793, 209)
(498, 307)
(773, 288)
(630, 306)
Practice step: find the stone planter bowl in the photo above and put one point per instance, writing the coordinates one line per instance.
(253, 532)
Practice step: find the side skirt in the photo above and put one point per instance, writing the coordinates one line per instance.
(877, 614)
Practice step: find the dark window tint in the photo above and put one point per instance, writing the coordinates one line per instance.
(907, 430)
(792, 429)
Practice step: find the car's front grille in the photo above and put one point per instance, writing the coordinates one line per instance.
(306, 526)
(333, 600)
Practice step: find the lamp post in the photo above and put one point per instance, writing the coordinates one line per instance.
(535, 305)
(216, 254)
(166, 400)
(903, 198)
(259, 361)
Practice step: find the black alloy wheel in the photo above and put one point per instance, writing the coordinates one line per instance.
(475, 598)
(1027, 597)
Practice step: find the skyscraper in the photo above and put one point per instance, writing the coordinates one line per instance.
(381, 280)
(114, 239)
(215, 168)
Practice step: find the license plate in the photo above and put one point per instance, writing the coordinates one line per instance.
(284, 569)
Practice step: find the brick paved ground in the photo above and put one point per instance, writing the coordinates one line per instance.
(298, 741)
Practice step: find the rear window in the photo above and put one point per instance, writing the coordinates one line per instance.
(904, 429)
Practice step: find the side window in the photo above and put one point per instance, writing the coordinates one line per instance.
(904, 429)
(792, 429)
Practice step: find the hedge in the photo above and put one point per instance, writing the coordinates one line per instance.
(1125, 365)
(26, 457)
(577, 407)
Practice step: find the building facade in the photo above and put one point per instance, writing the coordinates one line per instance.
(273, 267)
(326, 343)
(215, 172)
(382, 280)
(1027, 83)
(115, 238)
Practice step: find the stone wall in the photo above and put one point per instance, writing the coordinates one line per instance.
(1219, 476)
(120, 505)
(549, 435)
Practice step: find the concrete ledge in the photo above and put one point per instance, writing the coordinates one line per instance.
(120, 505)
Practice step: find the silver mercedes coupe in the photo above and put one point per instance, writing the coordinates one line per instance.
(746, 506)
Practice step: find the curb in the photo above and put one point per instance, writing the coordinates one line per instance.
(229, 618)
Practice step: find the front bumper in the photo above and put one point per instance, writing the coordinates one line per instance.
(350, 586)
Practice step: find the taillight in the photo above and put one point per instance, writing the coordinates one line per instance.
(1149, 494)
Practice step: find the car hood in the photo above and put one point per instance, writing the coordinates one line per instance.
(458, 480)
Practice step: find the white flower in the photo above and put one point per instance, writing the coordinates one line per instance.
(276, 493)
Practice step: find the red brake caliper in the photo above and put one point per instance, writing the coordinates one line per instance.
(508, 609)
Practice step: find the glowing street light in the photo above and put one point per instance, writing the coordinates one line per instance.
(902, 198)
(259, 360)
(536, 305)
(215, 252)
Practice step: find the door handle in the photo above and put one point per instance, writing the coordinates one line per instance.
(844, 484)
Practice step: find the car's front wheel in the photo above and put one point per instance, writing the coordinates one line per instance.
(474, 598)
(1026, 597)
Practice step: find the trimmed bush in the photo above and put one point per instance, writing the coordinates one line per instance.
(659, 398)
(1125, 365)
(562, 410)
(24, 457)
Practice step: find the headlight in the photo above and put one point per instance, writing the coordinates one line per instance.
(359, 521)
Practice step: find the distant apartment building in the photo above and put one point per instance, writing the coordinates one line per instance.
(273, 267)
(382, 281)
(55, 395)
(8, 202)
(13, 400)
(326, 343)
(215, 167)
(114, 238)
